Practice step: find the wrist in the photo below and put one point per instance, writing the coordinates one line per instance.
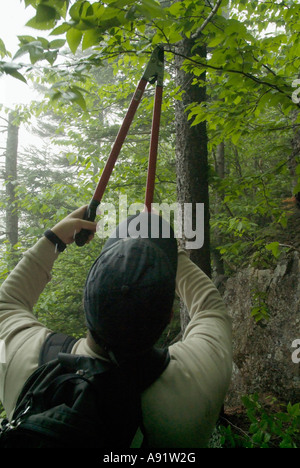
(60, 246)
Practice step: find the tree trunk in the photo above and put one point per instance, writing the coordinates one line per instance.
(220, 171)
(11, 181)
(237, 162)
(191, 153)
(294, 157)
(191, 157)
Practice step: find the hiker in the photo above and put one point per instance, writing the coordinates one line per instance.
(130, 280)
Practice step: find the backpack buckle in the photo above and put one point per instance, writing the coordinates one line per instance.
(15, 423)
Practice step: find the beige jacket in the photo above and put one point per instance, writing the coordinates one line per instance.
(181, 408)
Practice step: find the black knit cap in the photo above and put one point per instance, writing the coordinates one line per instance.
(130, 288)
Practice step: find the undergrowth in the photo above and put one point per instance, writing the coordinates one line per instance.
(264, 423)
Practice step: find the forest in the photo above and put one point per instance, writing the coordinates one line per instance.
(229, 139)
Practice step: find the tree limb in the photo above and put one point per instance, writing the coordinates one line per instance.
(205, 23)
(240, 72)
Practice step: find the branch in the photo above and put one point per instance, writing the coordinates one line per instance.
(290, 247)
(212, 13)
(265, 66)
(273, 129)
(240, 72)
(236, 427)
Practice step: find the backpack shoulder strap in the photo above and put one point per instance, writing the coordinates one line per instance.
(55, 343)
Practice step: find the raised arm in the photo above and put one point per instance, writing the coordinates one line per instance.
(207, 339)
(21, 334)
(21, 290)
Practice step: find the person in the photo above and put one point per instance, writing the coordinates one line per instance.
(131, 277)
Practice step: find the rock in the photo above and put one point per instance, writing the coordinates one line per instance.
(262, 351)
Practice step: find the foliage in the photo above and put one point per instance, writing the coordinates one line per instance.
(98, 50)
(248, 65)
(268, 426)
(251, 217)
(252, 70)
(259, 309)
(60, 307)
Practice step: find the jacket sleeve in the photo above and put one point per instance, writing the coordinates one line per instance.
(202, 299)
(183, 405)
(21, 334)
(207, 340)
(22, 288)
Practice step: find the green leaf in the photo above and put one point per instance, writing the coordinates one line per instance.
(90, 38)
(235, 137)
(175, 8)
(22, 51)
(74, 37)
(34, 49)
(216, 41)
(43, 42)
(42, 25)
(55, 96)
(30, 2)
(18, 75)
(73, 94)
(235, 27)
(51, 56)
(109, 13)
(3, 51)
(294, 410)
(12, 70)
(121, 3)
(80, 101)
(57, 43)
(275, 248)
(74, 11)
(62, 29)
(151, 9)
(45, 13)
(26, 39)
(174, 36)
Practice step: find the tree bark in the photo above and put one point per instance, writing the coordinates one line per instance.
(192, 159)
(237, 162)
(191, 152)
(220, 171)
(294, 157)
(11, 181)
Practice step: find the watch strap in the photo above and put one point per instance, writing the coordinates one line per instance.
(59, 244)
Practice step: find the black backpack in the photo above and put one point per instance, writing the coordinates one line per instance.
(74, 401)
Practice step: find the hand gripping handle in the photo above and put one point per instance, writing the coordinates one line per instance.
(90, 214)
